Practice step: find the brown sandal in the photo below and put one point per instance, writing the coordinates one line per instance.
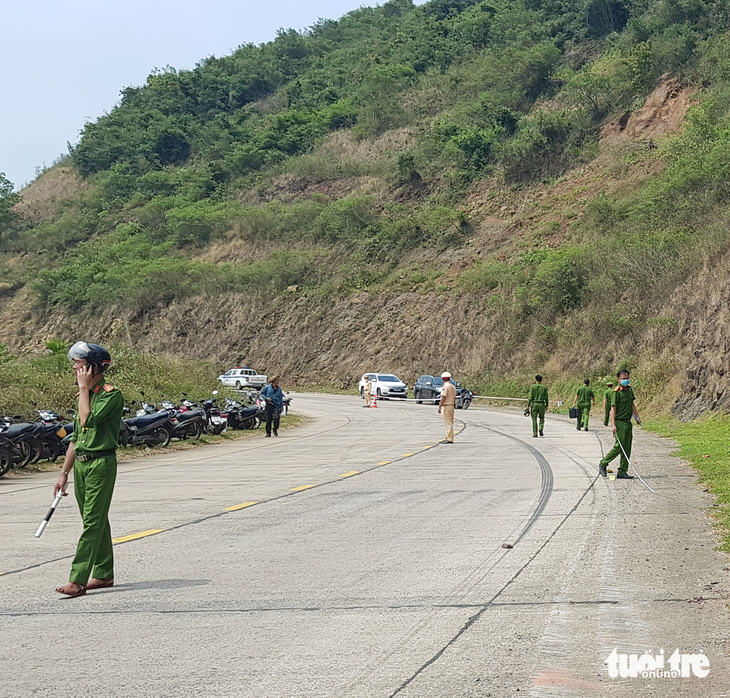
(68, 590)
(100, 584)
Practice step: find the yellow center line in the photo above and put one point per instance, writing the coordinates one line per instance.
(425, 447)
(236, 507)
(244, 505)
(135, 536)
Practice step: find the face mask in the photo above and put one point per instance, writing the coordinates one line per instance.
(625, 381)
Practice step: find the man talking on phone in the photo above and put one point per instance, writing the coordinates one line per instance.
(92, 454)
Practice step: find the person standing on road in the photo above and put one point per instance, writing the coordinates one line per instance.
(92, 455)
(607, 403)
(446, 407)
(537, 403)
(367, 389)
(583, 398)
(622, 409)
(274, 404)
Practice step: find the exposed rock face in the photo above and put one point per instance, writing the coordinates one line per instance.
(702, 306)
(704, 387)
(662, 112)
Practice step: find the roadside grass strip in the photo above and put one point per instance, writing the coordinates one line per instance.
(705, 445)
(136, 536)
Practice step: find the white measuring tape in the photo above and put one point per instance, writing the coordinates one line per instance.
(643, 482)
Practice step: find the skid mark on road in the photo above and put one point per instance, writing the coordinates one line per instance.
(546, 474)
(545, 491)
(489, 604)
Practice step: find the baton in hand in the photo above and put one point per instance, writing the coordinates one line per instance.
(45, 521)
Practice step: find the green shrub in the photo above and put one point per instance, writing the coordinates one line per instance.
(56, 346)
(559, 281)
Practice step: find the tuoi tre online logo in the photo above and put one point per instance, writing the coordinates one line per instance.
(647, 666)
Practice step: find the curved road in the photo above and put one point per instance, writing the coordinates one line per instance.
(355, 556)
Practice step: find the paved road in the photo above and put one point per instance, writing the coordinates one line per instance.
(392, 581)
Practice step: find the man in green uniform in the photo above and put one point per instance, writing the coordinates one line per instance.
(622, 409)
(93, 457)
(607, 403)
(583, 399)
(537, 403)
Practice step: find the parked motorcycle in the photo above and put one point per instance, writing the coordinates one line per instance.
(240, 417)
(6, 456)
(23, 437)
(149, 428)
(287, 404)
(466, 398)
(188, 420)
(51, 434)
(214, 420)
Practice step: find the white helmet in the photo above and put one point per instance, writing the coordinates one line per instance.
(93, 353)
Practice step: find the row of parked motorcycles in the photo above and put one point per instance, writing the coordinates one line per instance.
(47, 438)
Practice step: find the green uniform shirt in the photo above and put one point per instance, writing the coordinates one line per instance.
(608, 395)
(101, 431)
(538, 395)
(623, 400)
(585, 395)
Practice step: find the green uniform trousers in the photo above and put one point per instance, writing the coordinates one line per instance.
(94, 486)
(607, 416)
(624, 434)
(583, 413)
(537, 411)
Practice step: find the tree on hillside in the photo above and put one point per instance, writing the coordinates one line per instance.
(8, 199)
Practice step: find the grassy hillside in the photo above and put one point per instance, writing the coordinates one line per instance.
(500, 186)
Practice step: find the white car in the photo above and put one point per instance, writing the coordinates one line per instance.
(383, 385)
(242, 378)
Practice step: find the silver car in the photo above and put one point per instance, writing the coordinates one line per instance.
(384, 385)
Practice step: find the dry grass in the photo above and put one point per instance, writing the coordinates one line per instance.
(341, 166)
(42, 197)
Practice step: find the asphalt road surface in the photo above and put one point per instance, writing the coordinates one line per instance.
(356, 557)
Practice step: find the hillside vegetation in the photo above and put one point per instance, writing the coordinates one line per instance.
(501, 187)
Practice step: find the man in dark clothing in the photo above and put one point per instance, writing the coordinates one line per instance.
(274, 404)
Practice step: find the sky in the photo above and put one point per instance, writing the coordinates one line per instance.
(65, 63)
